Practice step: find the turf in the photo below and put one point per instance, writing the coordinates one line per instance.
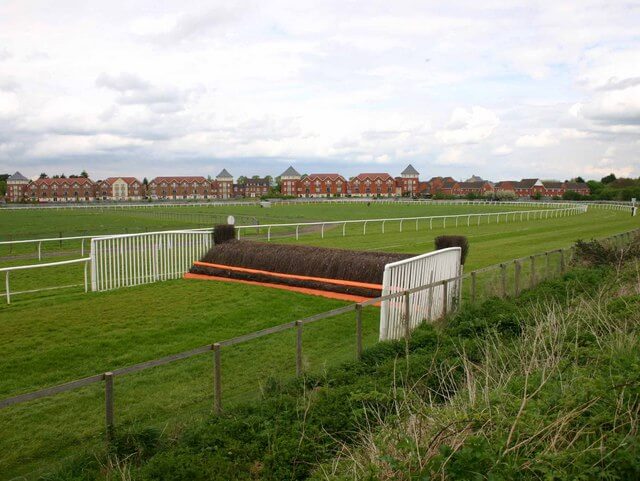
(52, 337)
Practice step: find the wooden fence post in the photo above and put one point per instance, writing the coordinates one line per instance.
(445, 297)
(561, 261)
(108, 404)
(358, 331)
(546, 275)
(533, 271)
(503, 276)
(473, 287)
(217, 379)
(298, 348)
(518, 268)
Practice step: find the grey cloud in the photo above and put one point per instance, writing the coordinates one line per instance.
(124, 82)
(616, 84)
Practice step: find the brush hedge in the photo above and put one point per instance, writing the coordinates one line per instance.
(223, 233)
(303, 260)
(445, 241)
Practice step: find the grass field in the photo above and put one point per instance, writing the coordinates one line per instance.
(52, 337)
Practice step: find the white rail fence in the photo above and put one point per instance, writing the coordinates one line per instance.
(134, 259)
(439, 266)
(453, 220)
(8, 270)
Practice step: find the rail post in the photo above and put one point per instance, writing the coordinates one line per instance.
(39, 251)
(269, 234)
(548, 268)
(217, 379)
(108, 401)
(532, 282)
(358, 331)
(6, 282)
(445, 297)
(473, 287)
(298, 232)
(298, 348)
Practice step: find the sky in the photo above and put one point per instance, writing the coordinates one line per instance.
(499, 89)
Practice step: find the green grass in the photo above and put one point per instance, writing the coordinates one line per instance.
(55, 336)
(31, 224)
(69, 337)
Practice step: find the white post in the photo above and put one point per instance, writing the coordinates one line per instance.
(297, 231)
(383, 227)
(6, 281)
(269, 234)
(82, 248)
(39, 251)
(344, 229)
(322, 231)
(86, 285)
(364, 230)
(400, 225)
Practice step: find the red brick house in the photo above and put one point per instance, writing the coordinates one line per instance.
(251, 188)
(222, 186)
(529, 188)
(120, 189)
(409, 182)
(77, 189)
(179, 188)
(506, 186)
(290, 182)
(372, 185)
(553, 188)
(480, 188)
(16, 187)
(579, 187)
(323, 185)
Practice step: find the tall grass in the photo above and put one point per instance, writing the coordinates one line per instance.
(559, 401)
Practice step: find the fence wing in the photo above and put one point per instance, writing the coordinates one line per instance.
(134, 259)
(426, 304)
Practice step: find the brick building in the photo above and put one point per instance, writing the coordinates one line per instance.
(481, 188)
(409, 182)
(372, 185)
(179, 188)
(324, 185)
(290, 182)
(120, 189)
(252, 188)
(16, 186)
(222, 186)
(77, 189)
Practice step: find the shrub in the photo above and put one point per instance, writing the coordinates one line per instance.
(444, 241)
(223, 233)
(599, 253)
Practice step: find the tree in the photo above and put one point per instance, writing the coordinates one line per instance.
(3, 188)
(579, 179)
(145, 181)
(44, 176)
(256, 177)
(242, 179)
(84, 174)
(608, 179)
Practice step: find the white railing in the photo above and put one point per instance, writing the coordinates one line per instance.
(134, 259)
(8, 270)
(407, 312)
(560, 206)
(39, 242)
(454, 220)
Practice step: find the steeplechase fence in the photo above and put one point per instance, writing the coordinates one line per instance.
(134, 259)
(435, 269)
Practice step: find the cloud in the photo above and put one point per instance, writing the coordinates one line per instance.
(504, 149)
(468, 126)
(539, 140)
(159, 88)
